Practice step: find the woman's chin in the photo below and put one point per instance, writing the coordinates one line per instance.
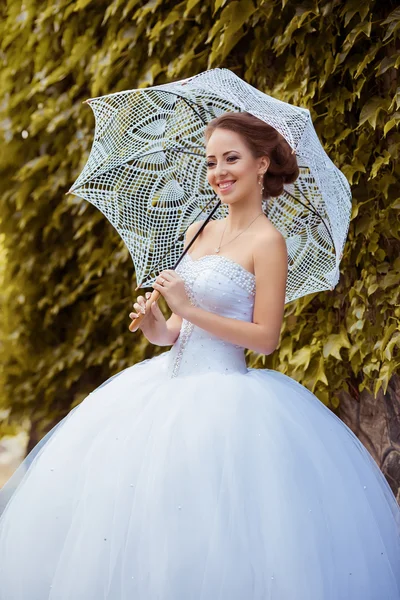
(227, 198)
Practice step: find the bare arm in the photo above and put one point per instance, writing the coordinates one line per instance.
(262, 335)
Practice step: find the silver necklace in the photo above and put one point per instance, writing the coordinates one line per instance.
(240, 233)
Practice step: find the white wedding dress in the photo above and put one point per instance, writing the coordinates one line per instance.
(191, 477)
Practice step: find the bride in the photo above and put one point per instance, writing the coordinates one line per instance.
(189, 476)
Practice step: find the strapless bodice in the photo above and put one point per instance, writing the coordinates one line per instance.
(219, 285)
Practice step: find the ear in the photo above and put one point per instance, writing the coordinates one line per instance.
(264, 164)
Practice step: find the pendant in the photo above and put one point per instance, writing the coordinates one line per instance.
(216, 249)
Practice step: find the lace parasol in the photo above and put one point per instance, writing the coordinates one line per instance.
(147, 174)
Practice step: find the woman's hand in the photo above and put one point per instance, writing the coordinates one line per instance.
(172, 288)
(154, 325)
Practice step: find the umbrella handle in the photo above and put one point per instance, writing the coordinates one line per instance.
(134, 325)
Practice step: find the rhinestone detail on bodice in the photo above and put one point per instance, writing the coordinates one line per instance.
(220, 285)
(225, 265)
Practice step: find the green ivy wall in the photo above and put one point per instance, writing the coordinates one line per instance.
(68, 279)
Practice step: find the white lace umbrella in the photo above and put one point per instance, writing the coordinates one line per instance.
(147, 174)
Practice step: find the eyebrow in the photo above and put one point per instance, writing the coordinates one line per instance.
(210, 155)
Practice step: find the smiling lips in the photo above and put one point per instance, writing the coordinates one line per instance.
(225, 185)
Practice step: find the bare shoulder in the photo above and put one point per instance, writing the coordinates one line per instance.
(192, 230)
(193, 227)
(268, 236)
(269, 246)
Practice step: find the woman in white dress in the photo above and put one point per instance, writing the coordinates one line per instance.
(189, 476)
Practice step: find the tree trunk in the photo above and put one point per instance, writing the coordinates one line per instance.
(376, 422)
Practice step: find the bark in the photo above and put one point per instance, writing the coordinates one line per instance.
(376, 422)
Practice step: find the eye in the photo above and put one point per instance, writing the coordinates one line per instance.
(210, 163)
(229, 159)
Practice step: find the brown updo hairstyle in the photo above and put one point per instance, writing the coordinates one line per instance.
(262, 140)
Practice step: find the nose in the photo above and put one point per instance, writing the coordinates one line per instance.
(220, 171)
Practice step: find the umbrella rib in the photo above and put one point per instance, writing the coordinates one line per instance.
(166, 150)
(155, 152)
(185, 151)
(189, 104)
(313, 210)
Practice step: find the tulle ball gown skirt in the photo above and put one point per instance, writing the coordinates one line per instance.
(224, 483)
(191, 477)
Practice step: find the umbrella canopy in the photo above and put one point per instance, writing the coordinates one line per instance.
(147, 174)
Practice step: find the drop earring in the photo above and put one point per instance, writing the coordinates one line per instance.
(261, 184)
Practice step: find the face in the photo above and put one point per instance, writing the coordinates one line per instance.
(232, 170)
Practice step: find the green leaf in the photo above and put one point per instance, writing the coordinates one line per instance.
(353, 7)
(232, 18)
(393, 121)
(81, 4)
(393, 20)
(316, 373)
(371, 109)
(190, 5)
(372, 288)
(357, 326)
(286, 349)
(334, 343)
(33, 166)
(394, 341)
(385, 374)
(351, 169)
(362, 27)
(301, 358)
(387, 63)
(379, 162)
(230, 29)
(368, 58)
(396, 204)
(218, 4)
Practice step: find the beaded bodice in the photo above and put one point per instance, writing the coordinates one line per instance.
(219, 285)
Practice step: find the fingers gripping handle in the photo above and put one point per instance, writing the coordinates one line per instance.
(136, 322)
